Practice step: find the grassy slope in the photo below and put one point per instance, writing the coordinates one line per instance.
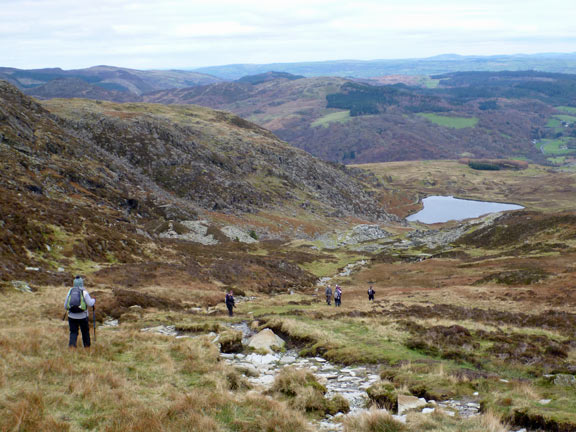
(537, 188)
(139, 381)
(129, 381)
(567, 109)
(451, 122)
(339, 117)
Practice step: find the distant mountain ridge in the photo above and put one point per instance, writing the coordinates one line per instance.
(120, 83)
(548, 62)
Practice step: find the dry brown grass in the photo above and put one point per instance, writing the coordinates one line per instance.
(305, 393)
(128, 380)
(537, 187)
(374, 420)
(439, 422)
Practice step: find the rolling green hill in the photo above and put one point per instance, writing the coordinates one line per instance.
(479, 114)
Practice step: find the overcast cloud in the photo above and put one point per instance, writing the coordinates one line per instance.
(149, 34)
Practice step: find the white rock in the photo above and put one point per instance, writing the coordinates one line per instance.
(198, 232)
(110, 323)
(247, 369)
(164, 330)
(329, 376)
(261, 359)
(265, 340)
(544, 401)
(265, 380)
(235, 233)
(406, 403)
(428, 410)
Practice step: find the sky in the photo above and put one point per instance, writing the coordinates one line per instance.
(184, 34)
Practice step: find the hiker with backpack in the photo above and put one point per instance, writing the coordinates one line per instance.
(328, 293)
(77, 303)
(230, 303)
(371, 293)
(338, 296)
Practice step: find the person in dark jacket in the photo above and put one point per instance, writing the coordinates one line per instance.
(371, 293)
(338, 296)
(78, 320)
(230, 304)
(328, 293)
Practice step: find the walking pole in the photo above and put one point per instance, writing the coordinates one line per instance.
(94, 321)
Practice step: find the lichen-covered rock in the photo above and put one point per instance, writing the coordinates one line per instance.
(565, 380)
(21, 286)
(236, 234)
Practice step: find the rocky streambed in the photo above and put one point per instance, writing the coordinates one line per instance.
(351, 382)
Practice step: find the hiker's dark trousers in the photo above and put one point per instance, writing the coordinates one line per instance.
(370, 296)
(328, 300)
(84, 328)
(230, 307)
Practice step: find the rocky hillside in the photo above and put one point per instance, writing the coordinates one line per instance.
(216, 160)
(104, 182)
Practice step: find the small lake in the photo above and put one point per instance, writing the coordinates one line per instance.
(446, 208)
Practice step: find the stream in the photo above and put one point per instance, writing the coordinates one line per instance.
(351, 382)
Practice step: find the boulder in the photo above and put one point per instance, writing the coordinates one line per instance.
(161, 329)
(565, 380)
(235, 233)
(247, 369)
(406, 403)
(257, 359)
(22, 286)
(266, 340)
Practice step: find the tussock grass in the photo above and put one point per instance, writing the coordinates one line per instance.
(306, 394)
(373, 421)
(439, 422)
(127, 381)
